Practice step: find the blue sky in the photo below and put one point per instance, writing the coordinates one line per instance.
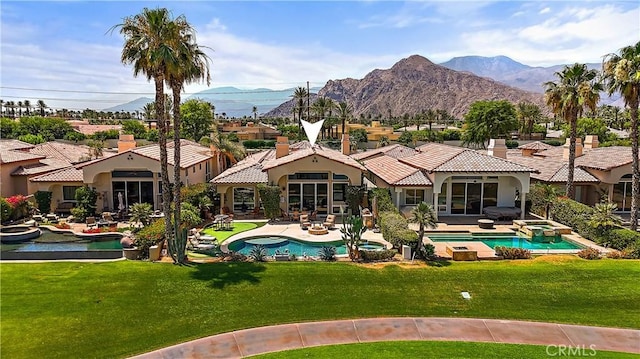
(66, 46)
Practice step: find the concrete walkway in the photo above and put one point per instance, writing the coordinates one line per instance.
(255, 341)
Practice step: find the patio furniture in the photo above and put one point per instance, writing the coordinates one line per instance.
(64, 207)
(313, 216)
(285, 215)
(91, 222)
(496, 213)
(304, 221)
(330, 222)
(106, 216)
(296, 215)
(256, 212)
(318, 229)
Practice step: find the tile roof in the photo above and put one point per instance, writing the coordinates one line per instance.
(43, 166)
(435, 157)
(69, 174)
(10, 156)
(249, 170)
(605, 158)
(6, 145)
(303, 150)
(63, 151)
(91, 129)
(537, 145)
(551, 170)
(395, 151)
(394, 172)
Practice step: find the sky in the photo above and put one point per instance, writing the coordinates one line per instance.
(65, 54)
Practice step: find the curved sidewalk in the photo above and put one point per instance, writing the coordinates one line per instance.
(254, 341)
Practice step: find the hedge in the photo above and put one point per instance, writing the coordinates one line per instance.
(395, 229)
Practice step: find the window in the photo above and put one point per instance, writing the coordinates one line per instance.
(243, 199)
(69, 193)
(413, 196)
(339, 192)
(207, 171)
(309, 176)
(194, 169)
(338, 177)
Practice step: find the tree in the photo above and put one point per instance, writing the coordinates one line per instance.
(621, 73)
(604, 217)
(148, 47)
(344, 112)
(488, 119)
(254, 110)
(148, 111)
(358, 136)
(576, 89)
(270, 197)
(352, 230)
(425, 216)
(20, 105)
(232, 151)
(543, 196)
(96, 148)
(135, 128)
(528, 114)
(197, 119)
(300, 95)
(27, 106)
(383, 141)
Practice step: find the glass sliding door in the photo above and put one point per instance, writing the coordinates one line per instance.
(308, 196)
(322, 198)
(458, 198)
(474, 198)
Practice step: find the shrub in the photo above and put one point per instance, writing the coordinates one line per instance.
(258, 253)
(613, 254)
(512, 252)
(327, 253)
(190, 215)
(86, 198)
(620, 238)
(395, 229)
(428, 251)
(79, 213)
(106, 135)
(140, 212)
(19, 206)
(251, 144)
(574, 215)
(149, 236)
(553, 142)
(32, 139)
(383, 200)
(632, 252)
(450, 135)
(63, 225)
(6, 211)
(75, 136)
(43, 199)
(383, 255)
(589, 253)
(511, 144)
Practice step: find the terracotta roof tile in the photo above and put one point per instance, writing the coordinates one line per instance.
(63, 151)
(393, 172)
(91, 129)
(537, 145)
(11, 156)
(306, 151)
(249, 170)
(45, 165)
(552, 170)
(6, 145)
(69, 174)
(395, 151)
(605, 158)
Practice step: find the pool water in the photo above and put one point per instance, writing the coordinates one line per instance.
(514, 241)
(292, 246)
(62, 242)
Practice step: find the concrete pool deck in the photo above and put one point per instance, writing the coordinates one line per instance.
(247, 342)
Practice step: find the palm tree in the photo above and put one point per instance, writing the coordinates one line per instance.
(27, 106)
(232, 151)
(299, 95)
(147, 46)
(527, 113)
(20, 108)
(254, 110)
(188, 65)
(575, 89)
(431, 116)
(621, 73)
(1, 107)
(425, 216)
(344, 112)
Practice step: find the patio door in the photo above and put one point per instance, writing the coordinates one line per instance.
(309, 197)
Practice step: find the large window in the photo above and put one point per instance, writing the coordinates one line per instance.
(69, 193)
(243, 199)
(622, 193)
(413, 196)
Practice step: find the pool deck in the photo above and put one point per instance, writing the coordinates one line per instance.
(254, 341)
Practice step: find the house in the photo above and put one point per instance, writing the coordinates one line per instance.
(600, 172)
(456, 180)
(130, 176)
(251, 131)
(311, 177)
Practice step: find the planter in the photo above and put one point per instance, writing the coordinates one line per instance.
(131, 253)
(154, 252)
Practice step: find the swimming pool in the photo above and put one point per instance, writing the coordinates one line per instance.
(507, 240)
(292, 246)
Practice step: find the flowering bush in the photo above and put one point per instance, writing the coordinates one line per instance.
(6, 210)
(20, 206)
(100, 230)
(63, 225)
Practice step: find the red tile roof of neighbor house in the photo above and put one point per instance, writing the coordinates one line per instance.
(395, 151)
(12, 156)
(537, 145)
(550, 169)
(71, 153)
(43, 166)
(91, 129)
(394, 172)
(601, 158)
(7, 145)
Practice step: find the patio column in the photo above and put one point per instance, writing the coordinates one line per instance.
(610, 193)
(523, 200)
(398, 192)
(222, 204)
(435, 203)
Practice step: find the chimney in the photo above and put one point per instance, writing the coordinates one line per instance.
(497, 148)
(345, 145)
(527, 152)
(126, 142)
(565, 153)
(591, 141)
(282, 146)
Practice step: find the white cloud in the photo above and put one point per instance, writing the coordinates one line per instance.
(545, 10)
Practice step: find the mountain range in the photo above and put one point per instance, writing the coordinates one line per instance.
(399, 89)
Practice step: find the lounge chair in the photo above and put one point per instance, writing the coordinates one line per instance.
(296, 215)
(313, 216)
(304, 221)
(106, 216)
(91, 222)
(330, 222)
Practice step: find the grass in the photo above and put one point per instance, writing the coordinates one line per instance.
(222, 235)
(117, 309)
(433, 349)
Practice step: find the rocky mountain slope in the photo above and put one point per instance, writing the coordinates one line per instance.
(413, 85)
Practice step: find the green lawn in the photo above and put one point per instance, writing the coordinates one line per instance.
(418, 349)
(117, 309)
(238, 227)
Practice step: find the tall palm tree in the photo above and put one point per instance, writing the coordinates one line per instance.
(425, 216)
(20, 105)
(11, 108)
(1, 107)
(528, 113)
(254, 110)
(621, 73)
(344, 113)
(300, 95)
(148, 47)
(189, 65)
(577, 88)
(148, 111)
(232, 151)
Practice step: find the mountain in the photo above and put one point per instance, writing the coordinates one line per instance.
(415, 84)
(232, 101)
(486, 66)
(131, 106)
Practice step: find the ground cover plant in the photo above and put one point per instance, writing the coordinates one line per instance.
(117, 309)
(430, 349)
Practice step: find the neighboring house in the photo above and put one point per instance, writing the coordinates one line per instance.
(133, 172)
(20, 161)
(456, 180)
(374, 132)
(600, 172)
(251, 131)
(310, 177)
